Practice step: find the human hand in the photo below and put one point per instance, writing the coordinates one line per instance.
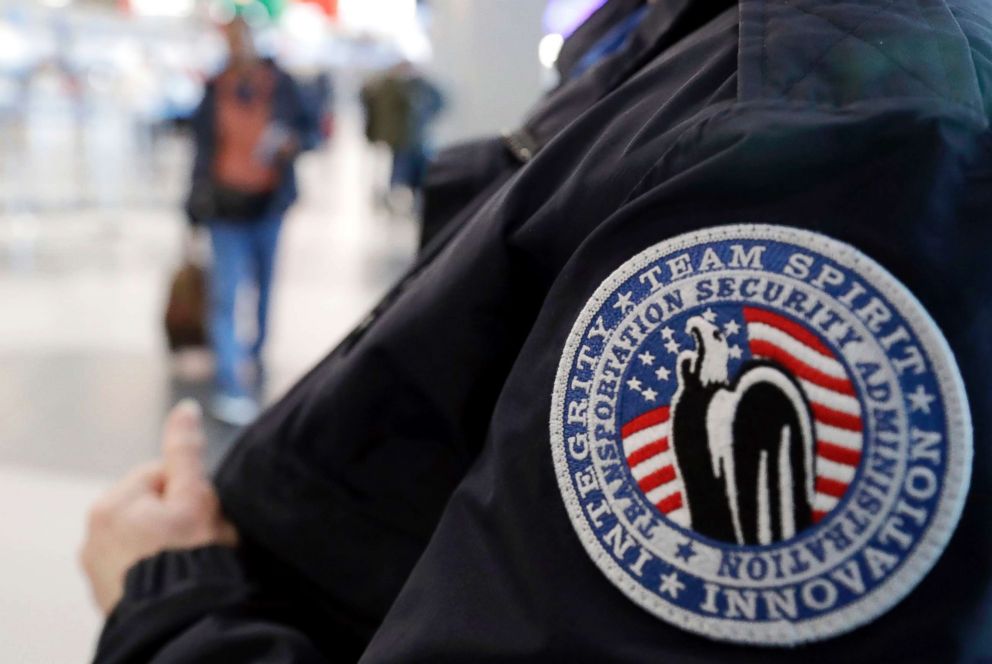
(165, 504)
(288, 150)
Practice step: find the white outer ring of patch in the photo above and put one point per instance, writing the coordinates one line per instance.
(959, 446)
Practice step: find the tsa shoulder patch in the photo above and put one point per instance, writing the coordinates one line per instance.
(760, 435)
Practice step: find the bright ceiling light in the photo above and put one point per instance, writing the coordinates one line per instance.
(549, 48)
(163, 7)
(381, 16)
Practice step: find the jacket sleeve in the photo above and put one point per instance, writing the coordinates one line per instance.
(304, 115)
(202, 124)
(198, 606)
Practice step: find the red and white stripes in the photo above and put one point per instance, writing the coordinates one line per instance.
(836, 411)
(652, 462)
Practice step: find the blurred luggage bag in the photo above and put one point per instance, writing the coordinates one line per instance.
(185, 315)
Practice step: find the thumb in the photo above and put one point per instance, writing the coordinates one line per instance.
(182, 448)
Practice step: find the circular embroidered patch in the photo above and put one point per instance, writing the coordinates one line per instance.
(760, 435)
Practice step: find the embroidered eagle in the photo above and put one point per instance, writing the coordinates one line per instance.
(744, 448)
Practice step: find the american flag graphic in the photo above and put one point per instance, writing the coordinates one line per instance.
(836, 412)
(652, 463)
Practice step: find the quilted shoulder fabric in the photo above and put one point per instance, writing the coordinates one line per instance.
(837, 54)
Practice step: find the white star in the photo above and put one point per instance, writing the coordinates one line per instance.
(920, 400)
(672, 346)
(662, 373)
(623, 303)
(647, 358)
(649, 394)
(735, 352)
(634, 384)
(731, 328)
(667, 333)
(710, 316)
(670, 584)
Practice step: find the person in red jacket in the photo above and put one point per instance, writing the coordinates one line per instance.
(249, 128)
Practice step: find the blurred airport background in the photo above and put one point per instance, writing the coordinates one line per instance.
(95, 158)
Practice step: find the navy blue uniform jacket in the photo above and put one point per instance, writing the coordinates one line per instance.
(399, 504)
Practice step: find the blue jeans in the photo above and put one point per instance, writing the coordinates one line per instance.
(244, 251)
(409, 167)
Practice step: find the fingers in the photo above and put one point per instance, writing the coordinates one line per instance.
(146, 478)
(227, 534)
(182, 449)
(166, 504)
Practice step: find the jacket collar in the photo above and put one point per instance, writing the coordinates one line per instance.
(667, 22)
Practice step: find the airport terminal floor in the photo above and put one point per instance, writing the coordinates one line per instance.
(85, 377)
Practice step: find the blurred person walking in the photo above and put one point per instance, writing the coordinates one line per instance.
(249, 129)
(399, 108)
